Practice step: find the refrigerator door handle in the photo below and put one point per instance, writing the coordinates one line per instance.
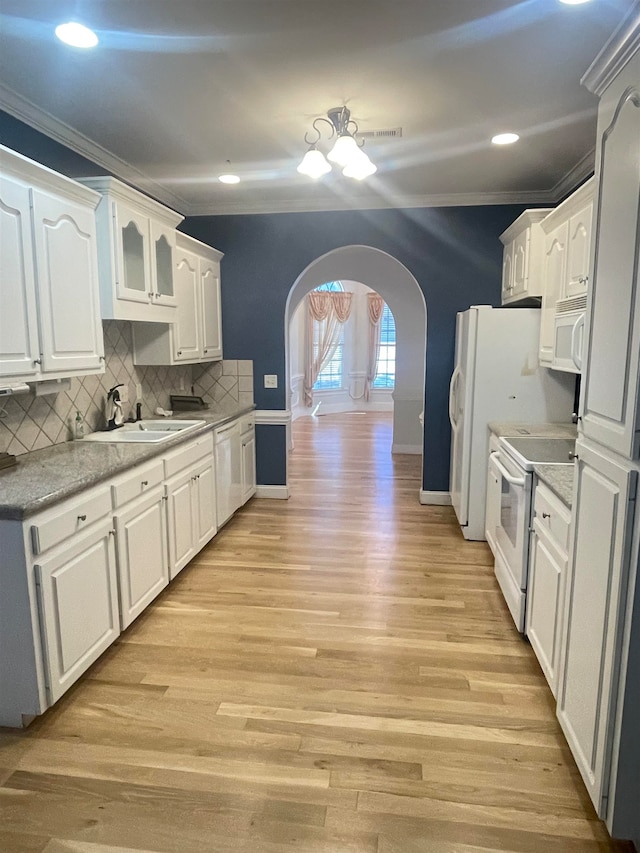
(515, 481)
(453, 393)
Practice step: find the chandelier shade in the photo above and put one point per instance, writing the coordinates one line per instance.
(346, 152)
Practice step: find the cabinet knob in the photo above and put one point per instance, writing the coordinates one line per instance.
(145, 482)
(82, 518)
(179, 352)
(206, 351)
(546, 515)
(37, 361)
(583, 279)
(573, 456)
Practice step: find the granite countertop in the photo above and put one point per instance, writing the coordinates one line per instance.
(562, 430)
(559, 478)
(45, 477)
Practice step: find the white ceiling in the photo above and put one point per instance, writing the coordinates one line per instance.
(178, 87)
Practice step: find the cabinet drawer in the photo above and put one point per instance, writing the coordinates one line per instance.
(188, 454)
(553, 516)
(247, 423)
(137, 482)
(74, 516)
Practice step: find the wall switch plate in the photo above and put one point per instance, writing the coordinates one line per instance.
(138, 391)
(124, 393)
(270, 380)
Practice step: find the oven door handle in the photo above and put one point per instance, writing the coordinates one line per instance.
(515, 481)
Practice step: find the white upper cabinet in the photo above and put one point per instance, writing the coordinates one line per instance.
(196, 334)
(609, 407)
(567, 241)
(136, 246)
(49, 304)
(523, 257)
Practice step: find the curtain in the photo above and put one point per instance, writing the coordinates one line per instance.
(327, 311)
(375, 304)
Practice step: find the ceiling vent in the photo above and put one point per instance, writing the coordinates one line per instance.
(389, 133)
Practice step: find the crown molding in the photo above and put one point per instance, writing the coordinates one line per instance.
(216, 208)
(583, 169)
(624, 42)
(37, 118)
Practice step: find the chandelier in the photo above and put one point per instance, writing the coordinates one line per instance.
(346, 153)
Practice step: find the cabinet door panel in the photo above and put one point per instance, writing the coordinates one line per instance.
(182, 523)
(248, 467)
(595, 611)
(163, 244)
(142, 554)
(186, 332)
(211, 311)
(206, 500)
(554, 274)
(544, 598)
(133, 275)
(224, 506)
(578, 251)
(18, 318)
(67, 280)
(521, 262)
(78, 605)
(610, 394)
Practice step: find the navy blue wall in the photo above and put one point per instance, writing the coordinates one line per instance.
(454, 254)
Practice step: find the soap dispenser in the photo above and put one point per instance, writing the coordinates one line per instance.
(115, 416)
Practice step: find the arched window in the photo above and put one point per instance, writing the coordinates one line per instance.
(386, 364)
(331, 375)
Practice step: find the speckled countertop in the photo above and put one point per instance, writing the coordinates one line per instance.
(44, 477)
(500, 429)
(559, 478)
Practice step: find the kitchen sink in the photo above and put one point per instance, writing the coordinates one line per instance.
(530, 450)
(145, 431)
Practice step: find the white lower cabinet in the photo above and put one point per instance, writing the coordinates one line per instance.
(247, 459)
(547, 575)
(228, 471)
(75, 575)
(78, 602)
(191, 501)
(595, 614)
(143, 566)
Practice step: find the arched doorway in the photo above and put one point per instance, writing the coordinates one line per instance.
(400, 290)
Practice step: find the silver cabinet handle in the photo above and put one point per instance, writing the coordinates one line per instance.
(573, 456)
(546, 515)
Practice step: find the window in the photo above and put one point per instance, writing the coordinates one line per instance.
(386, 366)
(330, 377)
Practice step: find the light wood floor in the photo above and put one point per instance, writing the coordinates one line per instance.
(334, 674)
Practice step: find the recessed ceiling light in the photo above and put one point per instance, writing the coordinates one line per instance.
(76, 35)
(505, 139)
(574, 2)
(229, 179)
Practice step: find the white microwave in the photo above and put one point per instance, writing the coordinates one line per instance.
(568, 338)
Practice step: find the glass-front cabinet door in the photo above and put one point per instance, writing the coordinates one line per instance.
(163, 244)
(133, 280)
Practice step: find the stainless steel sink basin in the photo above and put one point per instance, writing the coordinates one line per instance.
(530, 450)
(145, 432)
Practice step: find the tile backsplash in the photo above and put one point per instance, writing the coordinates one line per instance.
(30, 423)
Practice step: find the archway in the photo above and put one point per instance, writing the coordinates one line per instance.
(400, 290)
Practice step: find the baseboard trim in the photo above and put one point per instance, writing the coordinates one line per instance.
(280, 493)
(410, 449)
(435, 498)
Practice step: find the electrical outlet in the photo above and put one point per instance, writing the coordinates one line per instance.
(138, 391)
(124, 393)
(270, 380)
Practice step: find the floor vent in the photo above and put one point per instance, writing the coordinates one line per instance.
(390, 133)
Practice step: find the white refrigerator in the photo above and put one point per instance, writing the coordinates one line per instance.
(496, 378)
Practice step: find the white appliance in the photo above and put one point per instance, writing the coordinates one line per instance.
(496, 377)
(509, 504)
(568, 338)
